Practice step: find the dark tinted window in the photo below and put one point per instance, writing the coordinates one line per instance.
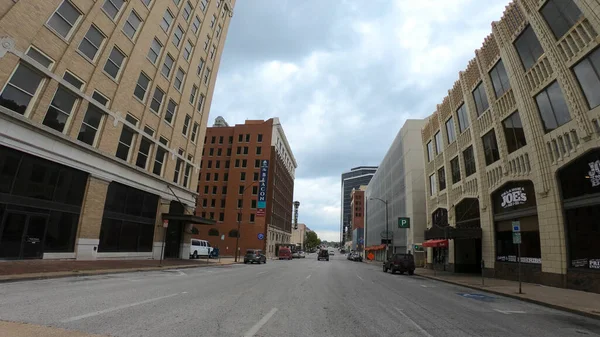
(450, 131)
(490, 147)
(480, 97)
(499, 79)
(560, 15)
(463, 118)
(528, 47)
(588, 75)
(455, 167)
(513, 132)
(552, 106)
(469, 161)
(442, 178)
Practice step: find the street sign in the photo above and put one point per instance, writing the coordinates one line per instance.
(261, 236)
(516, 226)
(516, 238)
(165, 223)
(403, 222)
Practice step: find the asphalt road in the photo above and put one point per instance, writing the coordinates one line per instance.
(281, 298)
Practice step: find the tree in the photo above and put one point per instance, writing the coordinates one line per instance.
(311, 240)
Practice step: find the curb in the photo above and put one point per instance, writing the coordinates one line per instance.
(25, 277)
(517, 297)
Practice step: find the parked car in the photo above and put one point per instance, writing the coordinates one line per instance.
(323, 255)
(295, 255)
(199, 248)
(285, 253)
(400, 262)
(301, 255)
(355, 257)
(254, 256)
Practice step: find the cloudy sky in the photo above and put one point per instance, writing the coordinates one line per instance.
(343, 76)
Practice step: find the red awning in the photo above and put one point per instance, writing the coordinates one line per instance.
(378, 247)
(435, 243)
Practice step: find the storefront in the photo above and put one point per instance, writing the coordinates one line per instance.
(40, 206)
(580, 192)
(437, 238)
(467, 240)
(516, 201)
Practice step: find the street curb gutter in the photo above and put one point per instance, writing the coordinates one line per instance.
(517, 297)
(29, 277)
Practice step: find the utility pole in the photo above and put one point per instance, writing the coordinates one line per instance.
(387, 232)
(237, 239)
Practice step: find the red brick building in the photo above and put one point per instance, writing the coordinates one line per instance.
(246, 176)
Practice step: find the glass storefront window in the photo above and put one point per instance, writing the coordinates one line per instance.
(506, 250)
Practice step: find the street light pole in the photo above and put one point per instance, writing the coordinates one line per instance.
(237, 239)
(387, 232)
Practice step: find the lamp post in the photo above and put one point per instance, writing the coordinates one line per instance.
(237, 238)
(387, 232)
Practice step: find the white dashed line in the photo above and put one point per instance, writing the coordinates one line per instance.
(260, 323)
(425, 333)
(308, 276)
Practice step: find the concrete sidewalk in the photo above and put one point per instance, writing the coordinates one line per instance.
(20, 270)
(13, 329)
(575, 301)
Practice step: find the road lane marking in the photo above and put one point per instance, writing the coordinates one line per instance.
(308, 276)
(360, 277)
(425, 333)
(260, 323)
(508, 312)
(262, 272)
(125, 306)
(426, 286)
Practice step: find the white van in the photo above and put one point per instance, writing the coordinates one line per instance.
(199, 248)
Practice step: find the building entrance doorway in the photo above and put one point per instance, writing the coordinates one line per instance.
(22, 235)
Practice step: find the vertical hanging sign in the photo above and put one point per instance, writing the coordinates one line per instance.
(262, 188)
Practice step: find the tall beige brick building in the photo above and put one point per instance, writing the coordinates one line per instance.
(518, 139)
(103, 109)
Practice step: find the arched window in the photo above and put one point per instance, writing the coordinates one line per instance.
(213, 232)
(233, 233)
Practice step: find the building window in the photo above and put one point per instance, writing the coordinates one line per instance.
(499, 79)
(186, 125)
(218, 32)
(143, 153)
(213, 202)
(450, 131)
(219, 152)
(463, 118)
(114, 63)
(529, 48)
(155, 49)
(64, 19)
(187, 50)
(240, 138)
(160, 157)
(60, 109)
(247, 138)
(167, 19)
(177, 172)
(131, 25)
(253, 203)
(442, 178)
(480, 97)
(469, 161)
(171, 111)
(91, 43)
(203, 5)
(221, 218)
(157, 100)
(259, 138)
(90, 124)
(220, 139)
(255, 176)
(209, 164)
(240, 203)
(200, 66)
(178, 83)
(245, 150)
(430, 154)
(176, 2)
(241, 190)
(239, 150)
(229, 152)
(455, 170)
(126, 139)
(187, 11)
(213, 50)
(244, 162)
(254, 190)
(552, 106)
(256, 163)
(196, 25)
(167, 66)
(213, 21)
(225, 176)
(252, 217)
(560, 15)
(588, 75)
(207, 76)
(200, 102)
(206, 43)
(141, 87)
(195, 132)
(112, 7)
(186, 174)
(439, 146)
(128, 220)
(193, 94)
(237, 163)
(39, 57)
(432, 185)
(490, 147)
(242, 176)
(224, 190)
(20, 89)
(147, 2)
(513, 132)
(177, 36)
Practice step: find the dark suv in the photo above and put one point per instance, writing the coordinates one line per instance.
(400, 262)
(254, 255)
(323, 255)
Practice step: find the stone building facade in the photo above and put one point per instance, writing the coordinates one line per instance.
(517, 141)
(103, 106)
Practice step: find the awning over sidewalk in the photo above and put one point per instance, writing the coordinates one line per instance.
(188, 218)
(435, 243)
(378, 247)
